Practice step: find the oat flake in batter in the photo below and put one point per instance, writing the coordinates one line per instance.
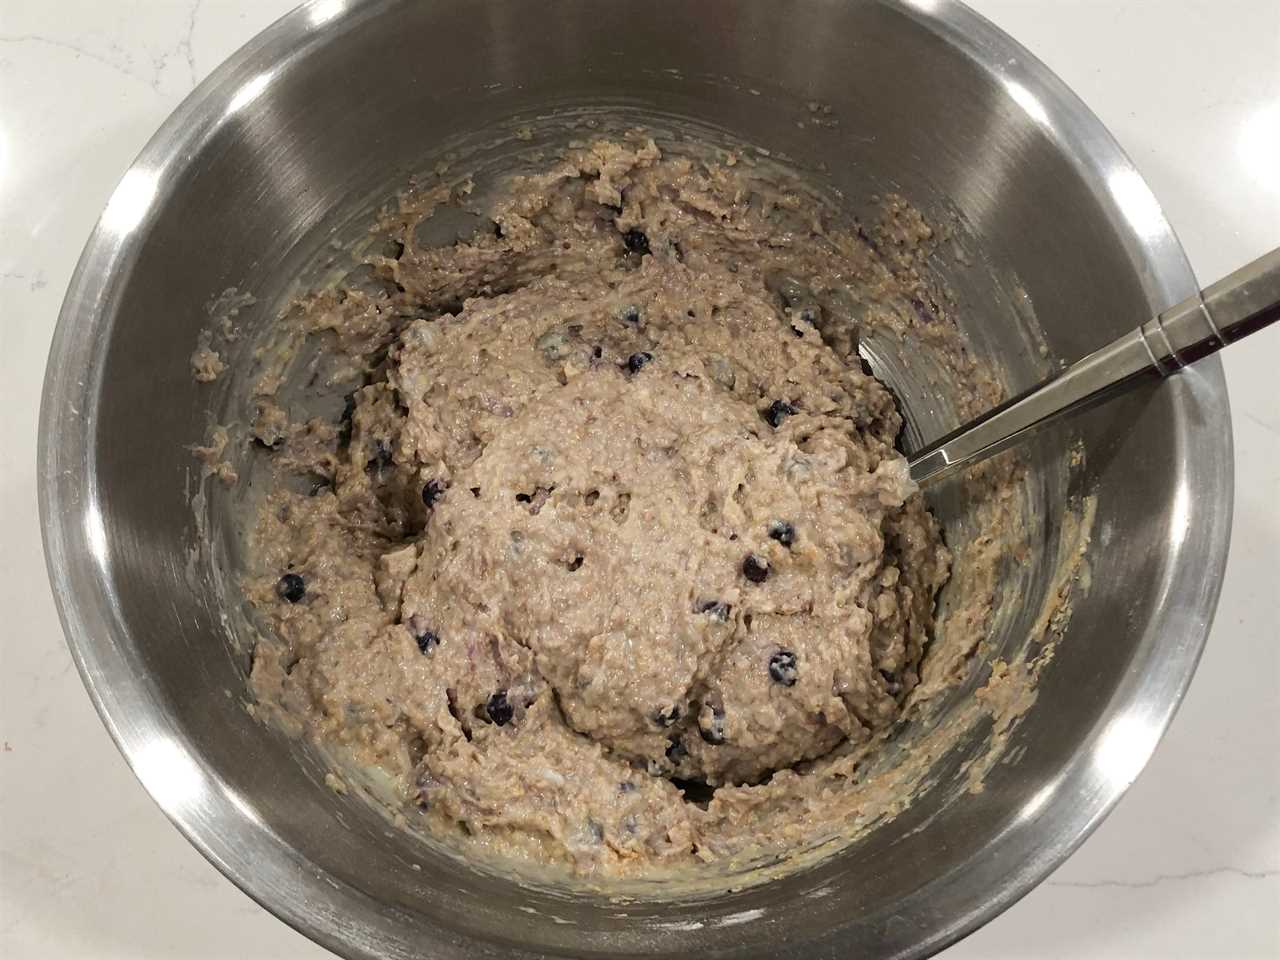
(615, 518)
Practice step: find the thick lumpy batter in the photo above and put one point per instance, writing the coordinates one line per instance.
(615, 523)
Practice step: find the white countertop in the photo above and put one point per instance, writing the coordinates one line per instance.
(1187, 866)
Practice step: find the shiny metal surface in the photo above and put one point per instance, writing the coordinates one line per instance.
(340, 100)
(1237, 305)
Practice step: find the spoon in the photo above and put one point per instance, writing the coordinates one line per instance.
(1234, 307)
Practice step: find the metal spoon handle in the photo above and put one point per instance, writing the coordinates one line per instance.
(1240, 304)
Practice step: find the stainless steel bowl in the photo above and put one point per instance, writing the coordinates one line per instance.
(339, 100)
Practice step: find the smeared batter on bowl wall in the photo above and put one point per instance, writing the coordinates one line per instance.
(610, 559)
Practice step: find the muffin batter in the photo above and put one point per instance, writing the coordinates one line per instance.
(610, 559)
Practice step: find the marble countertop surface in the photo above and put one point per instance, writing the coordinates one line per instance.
(1189, 863)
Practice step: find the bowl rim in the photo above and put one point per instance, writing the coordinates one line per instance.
(200, 804)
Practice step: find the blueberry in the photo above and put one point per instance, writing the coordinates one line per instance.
(499, 709)
(782, 668)
(665, 718)
(809, 316)
(626, 786)
(426, 640)
(783, 532)
(291, 587)
(636, 241)
(713, 730)
(636, 361)
(676, 751)
(923, 312)
(778, 411)
(433, 491)
(344, 421)
(630, 314)
(381, 458)
(716, 609)
(755, 569)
